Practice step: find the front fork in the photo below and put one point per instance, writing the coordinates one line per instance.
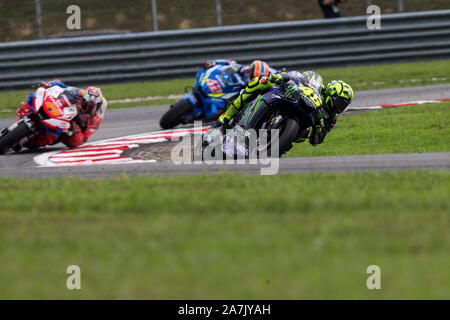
(31, 125)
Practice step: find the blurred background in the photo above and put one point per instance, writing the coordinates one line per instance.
(166, 237)
(19, 20)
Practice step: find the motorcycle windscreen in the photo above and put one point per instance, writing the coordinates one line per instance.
(230, 79)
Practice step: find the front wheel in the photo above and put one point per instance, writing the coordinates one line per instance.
(13, 136)
(176, 114)
(288, 131)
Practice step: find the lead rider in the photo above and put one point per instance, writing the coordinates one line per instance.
(335, 98)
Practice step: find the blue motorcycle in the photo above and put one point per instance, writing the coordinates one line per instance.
(213, 90)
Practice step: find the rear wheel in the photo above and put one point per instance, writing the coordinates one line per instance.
(176, 115)
(10, 138)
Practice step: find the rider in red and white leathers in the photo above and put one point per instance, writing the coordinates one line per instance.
(91, 107)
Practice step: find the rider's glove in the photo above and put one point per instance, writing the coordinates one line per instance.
(275, 79)
(208, 64)
(318, 134)
(74, 130)
(279, 79)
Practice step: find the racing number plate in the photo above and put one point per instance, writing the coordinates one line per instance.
(214, 86)
(310, 97)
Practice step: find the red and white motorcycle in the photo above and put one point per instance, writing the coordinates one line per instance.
(51, 114)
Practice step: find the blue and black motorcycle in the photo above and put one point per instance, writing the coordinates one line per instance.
(291, 116)
(213, 90)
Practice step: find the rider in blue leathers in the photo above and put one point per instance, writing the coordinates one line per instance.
(257, 68)
(217, 84)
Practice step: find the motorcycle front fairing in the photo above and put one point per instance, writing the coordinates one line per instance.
(269, 102)
(213, 89)
(57, 120)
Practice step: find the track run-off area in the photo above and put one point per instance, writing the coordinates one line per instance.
(125, 129)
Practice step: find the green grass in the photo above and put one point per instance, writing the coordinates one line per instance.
(389, 76)
(237, 236)
(423, 128)
(10, 100)
(361, 78)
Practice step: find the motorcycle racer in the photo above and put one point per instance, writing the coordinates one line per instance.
(335, 98)
(257, 68)
(91, 106)
(216, 84)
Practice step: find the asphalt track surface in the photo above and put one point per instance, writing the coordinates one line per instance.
(118, 123)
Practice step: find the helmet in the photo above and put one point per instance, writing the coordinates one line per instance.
(338, 95)
(92, 99)
(259, 68)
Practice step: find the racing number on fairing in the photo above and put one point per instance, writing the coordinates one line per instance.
(214, 87)
(53, 109)
(310, 95)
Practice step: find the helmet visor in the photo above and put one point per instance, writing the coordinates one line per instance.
(340, 104)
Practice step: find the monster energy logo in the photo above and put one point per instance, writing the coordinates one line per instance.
(253, 110)
(290, 92)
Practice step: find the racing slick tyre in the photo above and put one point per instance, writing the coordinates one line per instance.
(288, 133)
(176, 114)
(13, 137)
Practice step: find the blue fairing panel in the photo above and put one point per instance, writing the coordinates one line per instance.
(52, 132)
(30, 100)
(59, 84)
